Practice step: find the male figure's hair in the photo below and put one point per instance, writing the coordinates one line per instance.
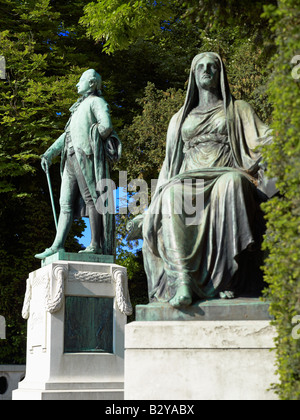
(95, 82)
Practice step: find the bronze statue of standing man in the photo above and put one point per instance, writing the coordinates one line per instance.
(87, 147)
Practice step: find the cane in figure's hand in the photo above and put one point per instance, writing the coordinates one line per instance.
(45, 165)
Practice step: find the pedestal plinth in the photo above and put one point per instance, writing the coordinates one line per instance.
(215, 350)
(241, 309)
(76, 314)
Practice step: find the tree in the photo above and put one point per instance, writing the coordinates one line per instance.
(40, 78)
(147, 133)
(166, 36)
(120, 23)
(117, 22)
(282, 269)
(137, 281)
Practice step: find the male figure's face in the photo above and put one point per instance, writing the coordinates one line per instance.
(84, 85)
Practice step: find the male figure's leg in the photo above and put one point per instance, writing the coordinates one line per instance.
(68, 194)
(94, 217)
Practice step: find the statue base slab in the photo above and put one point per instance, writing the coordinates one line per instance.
(83, 257)
(239, 309)
(200, 360)
(76, 314)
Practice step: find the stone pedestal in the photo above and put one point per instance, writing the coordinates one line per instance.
(200, 359)
(76, 314)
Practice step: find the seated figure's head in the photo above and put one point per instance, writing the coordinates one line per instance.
(207, 69)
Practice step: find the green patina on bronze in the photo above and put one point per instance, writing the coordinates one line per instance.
(88, 325)
(216, 139)
(240, 309)
(87, 148)
(71, 256)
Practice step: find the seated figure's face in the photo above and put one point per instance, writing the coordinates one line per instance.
(207, 73)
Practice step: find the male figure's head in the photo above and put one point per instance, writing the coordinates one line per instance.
(89, 82)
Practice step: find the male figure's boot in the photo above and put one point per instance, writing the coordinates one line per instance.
(64, 225)
(95, 223)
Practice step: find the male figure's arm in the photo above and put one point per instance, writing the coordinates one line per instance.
(102, 114)
(53, 151)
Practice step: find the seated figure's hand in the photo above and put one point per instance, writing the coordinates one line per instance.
(135, 228)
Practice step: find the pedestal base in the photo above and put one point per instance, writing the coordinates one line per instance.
(240, 309)
(69, 391)
(199, 360)
(76, 314)
(84, 257)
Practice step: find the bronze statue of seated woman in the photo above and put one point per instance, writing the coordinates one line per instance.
(212, 142)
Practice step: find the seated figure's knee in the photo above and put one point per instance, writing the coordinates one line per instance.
(234, 179)
(172, 200)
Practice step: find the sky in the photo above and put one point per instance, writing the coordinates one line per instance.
(86, 239)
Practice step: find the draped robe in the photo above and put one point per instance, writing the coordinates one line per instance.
(217, 148)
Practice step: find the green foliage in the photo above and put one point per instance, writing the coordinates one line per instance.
(228, 13)
(39, 83)
(29, 102)
(137, 280)
(145, 142)
(282, 270)
(147, 42)
(147, 133)
(118, 22)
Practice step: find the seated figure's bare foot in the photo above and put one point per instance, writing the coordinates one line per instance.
(227, 294)
(183, 297)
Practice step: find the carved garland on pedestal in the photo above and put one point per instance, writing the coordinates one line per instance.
(60, 274)
(121, 289)
(88, 277)
(27, 299)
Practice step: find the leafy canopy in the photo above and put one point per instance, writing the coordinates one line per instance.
(117, 22)
(282, 241)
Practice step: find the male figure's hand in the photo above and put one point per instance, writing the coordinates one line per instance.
(45, 163)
